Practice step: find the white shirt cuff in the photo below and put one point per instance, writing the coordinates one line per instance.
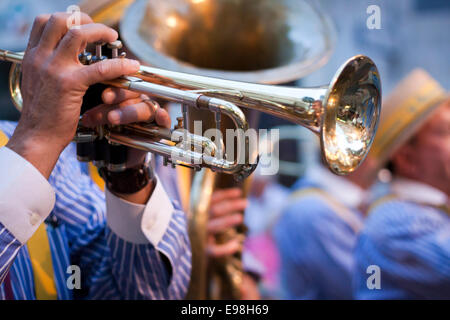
(137, 223)
(26, 197)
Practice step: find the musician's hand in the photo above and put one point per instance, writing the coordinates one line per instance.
(249, 288)
(122, 106)
(225, 213)
(54, 83)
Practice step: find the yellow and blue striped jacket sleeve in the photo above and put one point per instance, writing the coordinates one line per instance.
(111, 268)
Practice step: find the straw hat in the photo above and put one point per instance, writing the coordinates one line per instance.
(403, 113)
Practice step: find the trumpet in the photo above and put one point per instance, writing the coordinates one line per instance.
(343, 114)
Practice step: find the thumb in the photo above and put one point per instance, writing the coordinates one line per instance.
(109, 69)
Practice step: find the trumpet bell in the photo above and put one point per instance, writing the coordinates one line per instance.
(345, 114)
(351, 110)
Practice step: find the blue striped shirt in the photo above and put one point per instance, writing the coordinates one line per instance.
(111, 268)
(316, 246)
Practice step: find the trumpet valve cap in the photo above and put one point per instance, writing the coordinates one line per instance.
(115, 44)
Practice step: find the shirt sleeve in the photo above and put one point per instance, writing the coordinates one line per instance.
(154, 236)
(138, 223)
(26, 199)
(124, 250)
(145, 271)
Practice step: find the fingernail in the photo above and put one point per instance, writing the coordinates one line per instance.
(108, 96)
(85, 120)
(114, 116)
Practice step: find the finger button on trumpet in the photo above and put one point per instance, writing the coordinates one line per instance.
(115, 46)
(85, 57)
(98, 52)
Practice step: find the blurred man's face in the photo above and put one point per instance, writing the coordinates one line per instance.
(427, 158)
